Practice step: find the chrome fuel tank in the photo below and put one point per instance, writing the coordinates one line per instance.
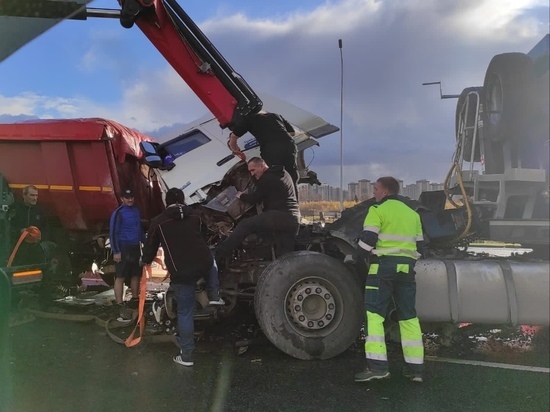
(483, 291)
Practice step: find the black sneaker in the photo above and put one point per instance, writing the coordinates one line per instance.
(367, 375)
(214, 299)
(184, 360)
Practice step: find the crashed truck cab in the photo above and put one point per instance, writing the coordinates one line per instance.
(199, 162)
(308, 303)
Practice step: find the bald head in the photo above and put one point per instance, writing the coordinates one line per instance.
(257, 167)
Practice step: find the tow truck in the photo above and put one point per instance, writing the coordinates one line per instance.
(309, 303)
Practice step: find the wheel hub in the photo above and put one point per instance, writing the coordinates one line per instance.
(311, 305)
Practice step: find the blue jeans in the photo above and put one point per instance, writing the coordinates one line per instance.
(212, 279)
(185, 299)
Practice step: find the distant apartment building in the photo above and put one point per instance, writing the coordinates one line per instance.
(361, 190)
(353, 191)
(422, 186)
(436, 186)
(364, 189)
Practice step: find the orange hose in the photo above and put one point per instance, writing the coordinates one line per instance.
(30, 235)
(133, 340)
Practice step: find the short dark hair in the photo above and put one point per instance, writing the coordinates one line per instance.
(175, 195)
(256, 160)
(390, 184)
(26, 189)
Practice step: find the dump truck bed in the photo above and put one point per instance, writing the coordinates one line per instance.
(79, 167)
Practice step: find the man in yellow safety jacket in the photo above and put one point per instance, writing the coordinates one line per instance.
(391, 234)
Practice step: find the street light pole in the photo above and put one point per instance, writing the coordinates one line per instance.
(341, 126)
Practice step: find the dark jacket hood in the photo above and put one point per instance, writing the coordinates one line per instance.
(178, 211)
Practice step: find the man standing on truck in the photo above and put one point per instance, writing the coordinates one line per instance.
(391, 235)
(280, 216)
(126, 233)
(188, 258)
(274, 134)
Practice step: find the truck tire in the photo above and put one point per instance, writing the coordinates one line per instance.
(309, 306)
(466, 97)
(507, 90)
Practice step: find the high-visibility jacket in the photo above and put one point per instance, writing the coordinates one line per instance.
(391, 228)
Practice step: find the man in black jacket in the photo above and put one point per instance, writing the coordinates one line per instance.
(27, 213)
(280, 216)
(274, 134)
(23, 215)
(188, 258)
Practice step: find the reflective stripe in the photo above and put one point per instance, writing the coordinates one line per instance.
(106, 189)
(373, 269)
(412, 343)
(29, 276)
(396, 251)
(90, 188)
(419, 238)
(363, 245)
(377, 356)
(371, 287)
(414, 361)
(402, 268)
(374, 229)
(60, 187)
(375, 338)
(399, 238)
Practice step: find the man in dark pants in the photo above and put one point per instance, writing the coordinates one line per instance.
(125, 235)
(392, 235)
(280, 216)
(188, 258)
(274, 134)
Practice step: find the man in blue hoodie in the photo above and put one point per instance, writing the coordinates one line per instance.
(126, 234)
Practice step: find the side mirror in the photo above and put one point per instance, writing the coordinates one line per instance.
(150, 155)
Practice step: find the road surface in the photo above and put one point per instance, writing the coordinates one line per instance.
(68, 366)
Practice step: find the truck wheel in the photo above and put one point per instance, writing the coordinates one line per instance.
(309, 306)
(468, 115)
(507, 90)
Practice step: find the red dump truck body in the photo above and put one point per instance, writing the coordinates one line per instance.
(79, 167)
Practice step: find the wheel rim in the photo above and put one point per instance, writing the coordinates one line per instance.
(313, 306)
(494, 103)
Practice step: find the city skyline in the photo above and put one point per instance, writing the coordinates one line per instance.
(361, 190)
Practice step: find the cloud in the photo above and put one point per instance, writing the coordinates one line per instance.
(391, 124)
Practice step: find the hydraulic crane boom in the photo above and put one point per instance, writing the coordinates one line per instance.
(167, 26)
(193, 56)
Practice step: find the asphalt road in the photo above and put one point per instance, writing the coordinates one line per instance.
(66, 366)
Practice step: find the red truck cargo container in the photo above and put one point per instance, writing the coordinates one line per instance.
(79, 167)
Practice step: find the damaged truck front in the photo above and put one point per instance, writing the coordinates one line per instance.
(308, 303)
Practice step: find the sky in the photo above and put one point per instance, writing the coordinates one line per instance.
(391, 124)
